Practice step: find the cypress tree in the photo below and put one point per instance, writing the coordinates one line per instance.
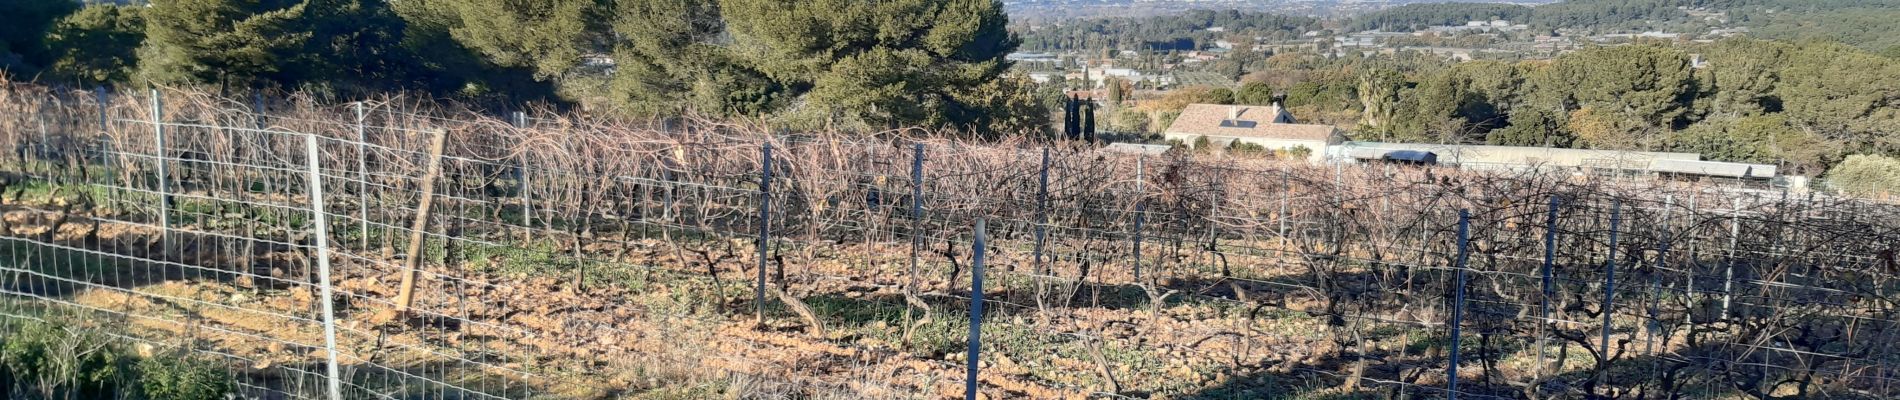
(1071, 123)
(1088, 121)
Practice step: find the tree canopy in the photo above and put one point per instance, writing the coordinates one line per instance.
(1805, 106)
(1190, 30)
(97, 45)
(870, 64)
(838, 63)
(221, 42)
(1868, 24)
(23, 50)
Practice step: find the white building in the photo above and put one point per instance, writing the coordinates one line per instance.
(1267, 126)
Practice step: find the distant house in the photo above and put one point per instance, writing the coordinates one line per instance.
(1097, 75)
(1267, 126)
(1032, 57)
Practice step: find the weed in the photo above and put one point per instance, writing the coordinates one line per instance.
(182, 378)
(56, 360)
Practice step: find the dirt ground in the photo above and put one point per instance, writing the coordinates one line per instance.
(656, 326)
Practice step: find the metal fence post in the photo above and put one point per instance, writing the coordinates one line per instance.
(362, 174)
(1728, 273)
(108, 154)
(99, 96)
(1286, 189)
(1550, 255)
(765, 220)
(164, 192)
(44, 149)
(1042, 211)
(976, 311)
(1339, 175)
(916, 214)
(1688, 271)
(321, 225)
(1458, 304)
(527, 197)
(1609, 289)
(1141, 208)
(1655, 279)
(257, 109)
(666, 214)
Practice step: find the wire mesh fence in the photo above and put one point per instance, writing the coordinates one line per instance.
(402, 250)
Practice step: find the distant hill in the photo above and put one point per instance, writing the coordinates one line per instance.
(1869, 24)
(1189, 30)
(1053, 11)
(1418, 16)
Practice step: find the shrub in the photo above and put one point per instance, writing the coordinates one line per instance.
(182, 378)
(1132, 121)
(1202, 145)
(56, 362)
(1239, 148)
(1866, 175)
(1295, 153)
(46, 360)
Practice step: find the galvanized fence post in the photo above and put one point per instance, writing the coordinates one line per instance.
(1655, 281)
(320, 223)
(362, 175)
(1042, 211)
(164, 191)
(44, 149)
(1141, 210)
(1688, 271)
(765, 220)
(99, 96)
(1458, 303)
(976, 311)
(1728, 273)
(1286, 189)
(108, 153)
(527, 196)
(916, 213)
(257, 109)
(1609, 290)
(666, 193)
(1550, 255)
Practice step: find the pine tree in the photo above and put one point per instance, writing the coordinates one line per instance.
(907, 59)
(353, 43)
(224, 42)
(22, 48)
(97, 45)
(546, 36)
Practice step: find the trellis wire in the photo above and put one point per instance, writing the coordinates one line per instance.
(1370, 278)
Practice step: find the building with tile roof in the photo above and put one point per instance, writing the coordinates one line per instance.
(1270, 127)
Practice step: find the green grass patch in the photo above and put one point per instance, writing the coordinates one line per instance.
(58, 360)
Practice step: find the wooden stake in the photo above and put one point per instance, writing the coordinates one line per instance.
(412, 260)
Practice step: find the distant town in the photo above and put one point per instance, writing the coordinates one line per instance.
(1498, 39)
